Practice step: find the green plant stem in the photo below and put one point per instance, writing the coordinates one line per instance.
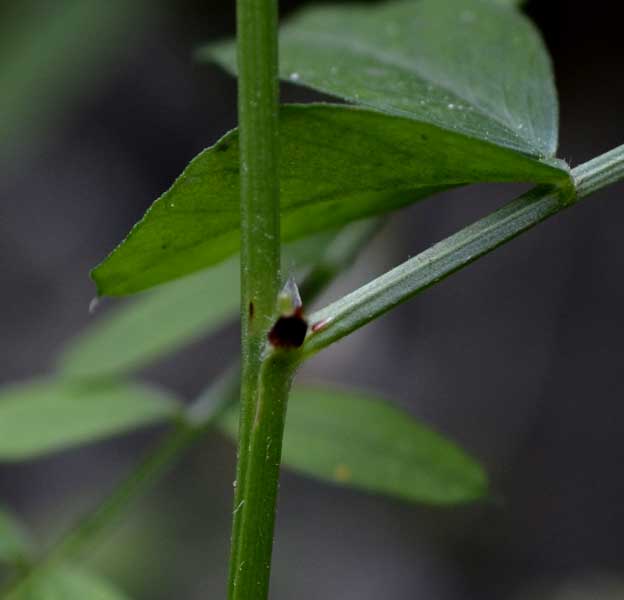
(260, 276)
(599, 172)
(457, 251)
(251, 568)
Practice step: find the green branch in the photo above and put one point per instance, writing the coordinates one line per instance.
(455, 252)
(599, 172)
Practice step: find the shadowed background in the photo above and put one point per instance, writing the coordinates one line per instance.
(518, 357)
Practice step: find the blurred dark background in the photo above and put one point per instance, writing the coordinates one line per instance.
(518, 357)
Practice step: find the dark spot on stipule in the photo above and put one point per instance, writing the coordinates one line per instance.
(289, 332)
(251, 310)
(222, 147)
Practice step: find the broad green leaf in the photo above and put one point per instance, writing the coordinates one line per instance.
(42, 416)
(15, 544)
(338, 164)
(356, 440)
(62, 582)
(469, 66)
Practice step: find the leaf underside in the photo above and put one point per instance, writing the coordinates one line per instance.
(338, 164)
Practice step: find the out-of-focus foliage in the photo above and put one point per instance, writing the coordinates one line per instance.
(15, 544)
(357, 440)
(65, 583)
(42, 416)
(51, 52)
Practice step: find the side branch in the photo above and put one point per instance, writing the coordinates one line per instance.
(372, 300)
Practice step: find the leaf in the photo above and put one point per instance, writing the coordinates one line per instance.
(339, 164)
(154, 324)
(469, 66)
(15, 544)
(65, 583)
(357, 440)
(45, 415)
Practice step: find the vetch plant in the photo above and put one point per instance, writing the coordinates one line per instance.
(436, 94)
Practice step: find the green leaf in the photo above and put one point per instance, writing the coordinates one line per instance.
(45, 415)
(65, 583)
(155, 323)
(469, 66)
(356, 440)
(338, 164)
(15, 544)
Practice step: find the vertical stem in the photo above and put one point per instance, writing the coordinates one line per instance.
(260, 260)
(260, 226)
(252, 545)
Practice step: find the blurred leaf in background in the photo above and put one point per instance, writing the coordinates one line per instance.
(357, 440)
(41, 416)
(62, 582)
(52, 52)
(15, 543)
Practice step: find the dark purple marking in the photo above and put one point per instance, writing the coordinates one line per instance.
(289, 332)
